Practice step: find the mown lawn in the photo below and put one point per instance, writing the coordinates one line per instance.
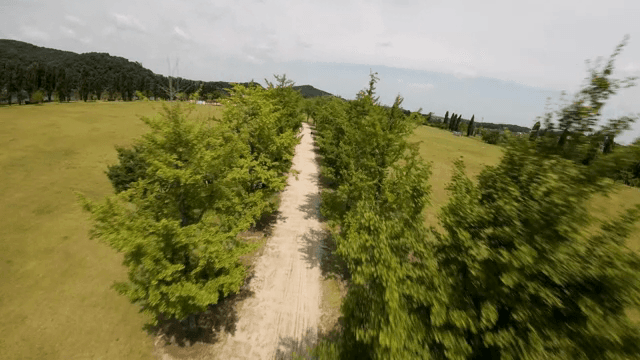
(55, 295)
(442, 148)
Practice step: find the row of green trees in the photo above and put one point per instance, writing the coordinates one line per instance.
(27, 70)
(519, 270)
(454, 123)
(186, 189)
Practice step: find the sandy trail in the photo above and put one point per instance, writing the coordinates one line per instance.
(285, 306)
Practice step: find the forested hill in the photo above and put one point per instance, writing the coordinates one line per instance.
(26, 68)
(309, 91)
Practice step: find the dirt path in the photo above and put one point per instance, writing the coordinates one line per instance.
(285, 307)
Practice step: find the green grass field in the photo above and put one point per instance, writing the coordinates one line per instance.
(55, 295)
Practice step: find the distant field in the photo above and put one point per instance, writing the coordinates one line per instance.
(55, 295)
(441, 148)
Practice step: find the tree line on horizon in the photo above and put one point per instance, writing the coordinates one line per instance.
(27, 70)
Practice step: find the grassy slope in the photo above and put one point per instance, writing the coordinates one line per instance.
(441, 148)
(55, 295)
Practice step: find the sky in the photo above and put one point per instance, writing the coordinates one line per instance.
(498, 60)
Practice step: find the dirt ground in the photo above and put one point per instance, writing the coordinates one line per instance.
(287, 280)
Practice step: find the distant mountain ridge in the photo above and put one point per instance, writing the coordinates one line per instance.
(309, 91)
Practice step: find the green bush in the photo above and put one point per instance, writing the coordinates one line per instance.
(37, 97)
(493, 137)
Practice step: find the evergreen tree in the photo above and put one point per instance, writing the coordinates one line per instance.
(180, 257)
(446, 119)
(517, 277)
(534, 131)
(185, 192)
(470, 127)
(452, 122)
(575, 130)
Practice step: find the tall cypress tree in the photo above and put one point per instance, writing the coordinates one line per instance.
(452, 123)
(471, 123)
(534, 131)
(446, 119)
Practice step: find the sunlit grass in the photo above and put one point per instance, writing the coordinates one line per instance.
(55, 295)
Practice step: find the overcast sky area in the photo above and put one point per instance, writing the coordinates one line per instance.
(499, 60)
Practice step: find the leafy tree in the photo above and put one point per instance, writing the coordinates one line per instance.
(452, 122)
(427, 118)
(268, 121)
(573, 131)
(446, 119)
(184, 193)
(181, 258)
(518, 276)
(622, 165)
(378, 187)
(131, 167)
(492, 137)
(141, 96)
(470, 127)
(359, 140)
(534, 131)
(37, 97)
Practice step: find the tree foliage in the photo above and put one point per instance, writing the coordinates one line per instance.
(575, 130)
(519, 271)
(186, 190)
(519, 276)
(471, 124)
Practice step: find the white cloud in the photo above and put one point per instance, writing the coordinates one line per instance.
(33, 33)
(68, 32)
(178, 31)
(128, 22)
(74, 20)
(108, 30)
(631, 68)
(421, 86)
